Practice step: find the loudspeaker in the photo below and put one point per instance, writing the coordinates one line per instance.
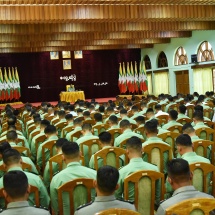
(194, 58)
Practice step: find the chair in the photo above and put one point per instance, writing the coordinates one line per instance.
(208, 113)
(163, 118)
(123, 143)
(34, 133)
(115, 133)
(184, 120)
(173, 107)
(54, 121)
(23, 150)
(152, 105)
(190, 111)
(175, 128)
(133, 126)
(205, 133)
(117, 211)
(74, 188)
(144, 189)
(31, 129)
(77, 135)
(169, 138)
(155, 153)
(19, 140)
(89, 121)
(201, 148)
(24, 166)
(100, 128)
(209, 124)
(140, 130)
(61, 125)
(39, 140)
(203, 173)
(192, 206)
(110, 156)
(66, 130)
(49, 145)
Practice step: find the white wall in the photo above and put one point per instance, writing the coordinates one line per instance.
(191, 47)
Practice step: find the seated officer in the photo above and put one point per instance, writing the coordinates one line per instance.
(71, 156)
(16, 192)
(77, 127)
(123, 115)
(51, 134)
(105, 141)
(105, 184)
(198, 119)
(125, 127)
(182, 112)
(134, 152)
(69, 119)
(180, 178)
(173, 114)
(12, 161)
(98, 120)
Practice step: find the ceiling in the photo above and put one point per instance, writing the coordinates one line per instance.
(56, 25)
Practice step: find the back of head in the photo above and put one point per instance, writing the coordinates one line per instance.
(44, 123)
(102, 109)
(182, 109)
(107, 178)
(12, 120)
(15, 184)
(184, 140)
(170, 98)
(4, 146)
(59, 143)
(198, 108)
(69, 117)
(140, 119)
(61, 114)
(11, 136)
(123, 111)
(187, 129)
(124, 124)
(50, 129)
(98, 117)
(198, 115)
(150, 111)
(157, 107)
(113, 119)
(86, 113)
(134, 144)
(110, 109)
(105, 137)
(87, 127)
(70, 150)
(11, 156)
(173, 114)
(151, 126)
(134, 108)
(77, 121)
(178, 170)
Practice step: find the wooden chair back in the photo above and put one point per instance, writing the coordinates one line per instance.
(201, 147)
(133, 126)
(67, 130)
(190, 111)
(70, 187)
(155, 153)
(77, 135)
(175, 128)
(123, 143)
(54, 121)
(61, 125)
(201, 205)
(209, 124)
(50, 145)
(111, 157)
(173, 107)
(205, 133)
(140, 130)
(115, 133)
(152, 105)
(39, 140)
(164, 118)
(144, 189)
(203, 174)
(117, 211)
(184, 120)
(89, 121)
(169, 137)
(23, 150)
(208, 113)
(19, 140)
(31, 129)
(100, 128)
(24, 166)
(34, 133)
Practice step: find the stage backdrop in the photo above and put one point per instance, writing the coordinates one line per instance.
(42, 79)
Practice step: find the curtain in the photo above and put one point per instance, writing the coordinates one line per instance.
(202, 80)
(161, 83)
(149, 78)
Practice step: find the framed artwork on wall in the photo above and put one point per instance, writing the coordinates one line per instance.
(78, 54)
(67, 64)
(54, 55)
(66, 54)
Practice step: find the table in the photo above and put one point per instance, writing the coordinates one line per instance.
(72, 96)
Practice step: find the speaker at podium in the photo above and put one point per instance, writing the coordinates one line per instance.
(70, 88)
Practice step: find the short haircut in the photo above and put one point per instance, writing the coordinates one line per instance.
(70, 150)
(11, 128)
(182, 109)
(184, 140)
(134, 143)
(87, 127)
(157, 107)
(71, 107)
(79, 110)
(102, 108)
(198, 108)
(173, 114)
(113, 119)
(86, 113)
(61, 113)
(44, 123)
(12, 120)
(187, 128)
(98, 117)
(15, 183)
(4, 146)
(134, 108)
(37, 120)
(198, 115)
(11, 156)
(140, 119)
(107, 178)
(69, 116)
(105, 137)
(77, 121)
(59, 143)
(11, 135)
(50, 129)
(123, 111)
(170, 98)
(178, 170)
(124, 123)
(151, 126)
(150, 110)
(110, 109)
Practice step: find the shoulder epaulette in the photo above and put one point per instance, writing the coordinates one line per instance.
(121, 167)
(56, 173)
(128, 201)
(83, 206)
(44, 208)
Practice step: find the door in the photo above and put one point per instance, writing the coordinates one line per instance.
(182, 82)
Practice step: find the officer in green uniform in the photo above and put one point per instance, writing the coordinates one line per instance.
(126, 132)
(171, 102)
(123, 115)
(198, 119)
(77, 127)
(74, 170)
(70, 124)
(105, 184)
(173, 114)
(98, 120)
(51, 134)
(135, 112)
(37, 122)
(180, 179)
(150, 100)
(110, 112)
(12, 161)
(182, 112)
(113, 122)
